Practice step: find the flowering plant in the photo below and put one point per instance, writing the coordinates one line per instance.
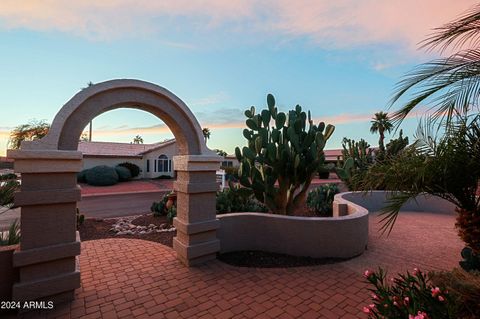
(410, 295)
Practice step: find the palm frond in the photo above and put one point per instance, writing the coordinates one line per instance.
(450, 85)
(426, 137)
(456, 34)
(390, 212)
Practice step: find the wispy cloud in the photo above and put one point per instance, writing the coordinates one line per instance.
(216, 98)
(328, 24)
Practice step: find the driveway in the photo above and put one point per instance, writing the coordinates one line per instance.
(118, 205)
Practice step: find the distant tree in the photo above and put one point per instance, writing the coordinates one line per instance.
(206, 133)
(27, 132)
(381, 124)
(138, 140)
(395, 146)
(220, 152)
(84, 137)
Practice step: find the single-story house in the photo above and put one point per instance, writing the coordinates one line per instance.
(154, 160)
(331, 156)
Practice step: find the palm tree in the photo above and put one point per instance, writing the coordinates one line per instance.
(138, 140)
(206, 133)
(381, 124)
(450, 85)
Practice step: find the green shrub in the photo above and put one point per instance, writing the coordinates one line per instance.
(159, 208)
(231, 173)
(320, 199)
(134, 169)
(81, 176)
(408, 296)
(7, 190)
(123, 173)
(237, 199)
(171, 214)
(12, 236)
(101, 176)
(323, 172)
(471, 260)
(230, 170)
(9, 176)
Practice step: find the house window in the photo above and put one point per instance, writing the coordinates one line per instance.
(148, 165)
(163, 164)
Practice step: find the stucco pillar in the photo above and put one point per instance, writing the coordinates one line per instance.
(47, 259)
(196, 220)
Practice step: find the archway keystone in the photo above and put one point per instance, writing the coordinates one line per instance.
(49, 193)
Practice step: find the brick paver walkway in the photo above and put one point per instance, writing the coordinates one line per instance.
(124, 278)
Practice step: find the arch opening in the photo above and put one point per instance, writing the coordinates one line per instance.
(50, 194)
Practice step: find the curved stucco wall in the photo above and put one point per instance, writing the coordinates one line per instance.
(319, 237)
(342, 236)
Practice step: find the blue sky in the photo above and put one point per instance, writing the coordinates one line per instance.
(341, 61)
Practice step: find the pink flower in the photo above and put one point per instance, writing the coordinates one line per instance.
(419, 315)
(440, 298)
(416, 271)
(371, 306)
(435, 291)
(406, 299)
(374, 296)
(367, 273)
(395, 303)
(366, 310)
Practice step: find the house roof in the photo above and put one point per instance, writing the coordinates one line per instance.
(332, 155)
(111, 149)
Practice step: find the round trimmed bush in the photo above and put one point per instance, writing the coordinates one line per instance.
(134, 169)
(123, 173)
(81, 176)
(102, 176)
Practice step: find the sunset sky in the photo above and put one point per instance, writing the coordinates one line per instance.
(339, 59)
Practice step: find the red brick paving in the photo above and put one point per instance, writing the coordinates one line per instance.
(125, 278)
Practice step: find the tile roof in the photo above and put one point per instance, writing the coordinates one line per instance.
(111, 149)
(330, 155)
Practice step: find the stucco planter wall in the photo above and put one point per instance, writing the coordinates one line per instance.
(319, 237)
(343, 236)
(8, 274)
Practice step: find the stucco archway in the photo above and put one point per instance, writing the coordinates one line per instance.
(49, 192)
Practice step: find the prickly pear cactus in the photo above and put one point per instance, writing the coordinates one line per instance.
(282, 154)
(357, 156)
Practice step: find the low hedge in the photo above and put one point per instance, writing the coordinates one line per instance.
(102, 175)
(123, 173)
